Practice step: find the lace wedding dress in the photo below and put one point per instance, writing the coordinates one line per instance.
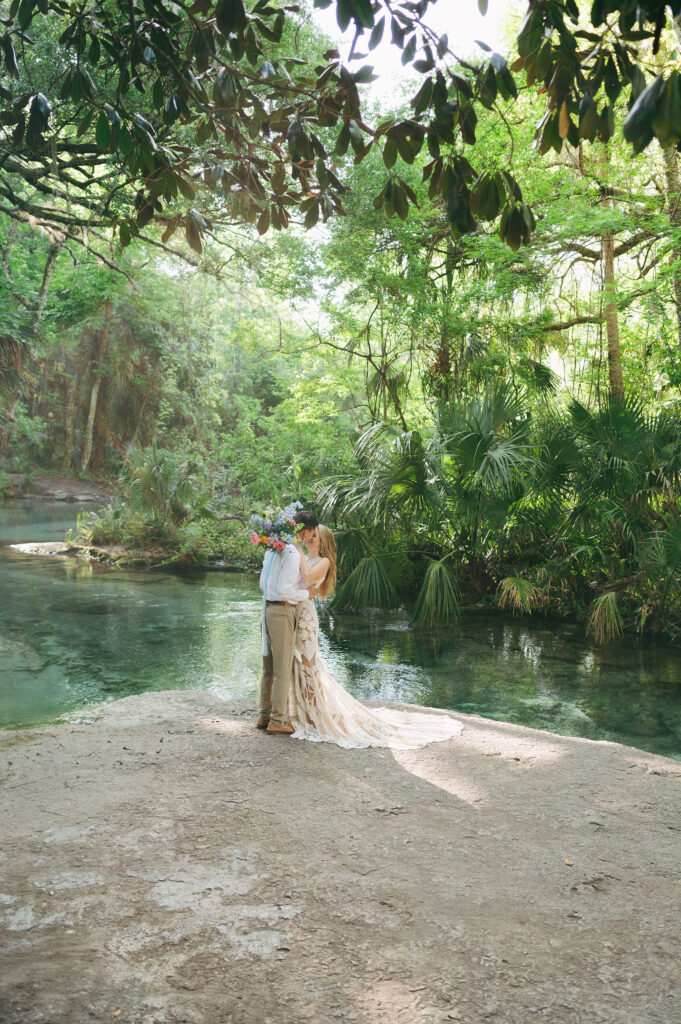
(321, 709)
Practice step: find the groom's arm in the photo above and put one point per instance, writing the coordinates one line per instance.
(288, 578)
(268, 554)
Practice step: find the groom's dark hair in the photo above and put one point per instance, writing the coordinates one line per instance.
(306, 520)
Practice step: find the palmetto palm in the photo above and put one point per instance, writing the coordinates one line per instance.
(397, 478)
(171, 490)
(583, 502)
(627, 464)
(433, 494)
(395, 492)
(486, 439)
(16, 344)
(614, 447)
(624, 510)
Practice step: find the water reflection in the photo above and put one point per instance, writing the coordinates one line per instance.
(74, 632)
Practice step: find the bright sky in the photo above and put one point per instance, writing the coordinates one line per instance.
(460, 19)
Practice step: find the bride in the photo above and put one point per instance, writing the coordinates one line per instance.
(319, 707)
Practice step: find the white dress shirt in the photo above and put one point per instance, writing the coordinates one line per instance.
(282, 584)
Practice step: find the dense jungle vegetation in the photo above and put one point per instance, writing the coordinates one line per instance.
(465, 355)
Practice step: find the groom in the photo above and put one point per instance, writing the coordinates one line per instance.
(282, 596)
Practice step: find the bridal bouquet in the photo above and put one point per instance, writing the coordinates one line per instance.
(276, 527)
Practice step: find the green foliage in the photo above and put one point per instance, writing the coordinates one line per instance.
(369, 585)
(439, 599)
(518, 594)
(605, 620)
(352, 545)
(573, 503)
(14, 353)
(171, 490)
(140, 97)
(177, 100)
(26, 438)
(445, 397)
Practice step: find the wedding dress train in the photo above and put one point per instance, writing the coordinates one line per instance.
(321, 709)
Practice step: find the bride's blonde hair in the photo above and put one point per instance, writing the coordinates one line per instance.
(327, 549)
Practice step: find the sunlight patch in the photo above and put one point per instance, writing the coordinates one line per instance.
(226, 725)
(500, 739)
(437, 774)
(391, 1000)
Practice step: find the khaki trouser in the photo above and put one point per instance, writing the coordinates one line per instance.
(277, 664)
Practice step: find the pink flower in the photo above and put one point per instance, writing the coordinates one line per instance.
(255, 538)
(278, 545)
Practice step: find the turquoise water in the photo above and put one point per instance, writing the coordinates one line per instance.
(73, 633)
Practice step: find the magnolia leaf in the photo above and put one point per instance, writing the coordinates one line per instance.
(193, 235)
(377, 34)
(264, 221)
(185, 186)
(103, 131)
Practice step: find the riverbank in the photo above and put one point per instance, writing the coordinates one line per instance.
(41, 486)
(122, 557)
(166, 862)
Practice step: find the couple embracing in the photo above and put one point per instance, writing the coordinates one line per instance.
(298, 695)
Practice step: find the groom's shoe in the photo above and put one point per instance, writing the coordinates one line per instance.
(263, 722)
(284, 729)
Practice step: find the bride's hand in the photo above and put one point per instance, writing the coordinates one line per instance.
(312, 593)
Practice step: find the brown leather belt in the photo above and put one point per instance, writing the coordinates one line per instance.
(280, 602)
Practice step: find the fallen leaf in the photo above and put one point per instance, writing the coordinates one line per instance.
(569, 862)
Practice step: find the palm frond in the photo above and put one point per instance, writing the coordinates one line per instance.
(438, 600)
(15, 351)
(615, 444)
(367, 586)
(605, 620)
(496, 408)
(556, 456)
(474, 347)
(540, 378)
(603, 517)
(672, 544)
(486, 437)
(352, 545)
(503, 459)
(373, 439)
(518, 594)
(398, 475)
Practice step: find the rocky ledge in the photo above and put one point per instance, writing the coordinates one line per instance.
(112, 555)
(165, 862)
(59, 488)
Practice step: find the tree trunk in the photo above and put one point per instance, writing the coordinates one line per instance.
(70, 422)
(50, 264)
(34, 306)
(101, 344)
(671, 173)
(611, 315)
(610, 311)
(94, 395)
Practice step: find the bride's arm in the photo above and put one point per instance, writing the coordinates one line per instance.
(305, 575)
(314, 575)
